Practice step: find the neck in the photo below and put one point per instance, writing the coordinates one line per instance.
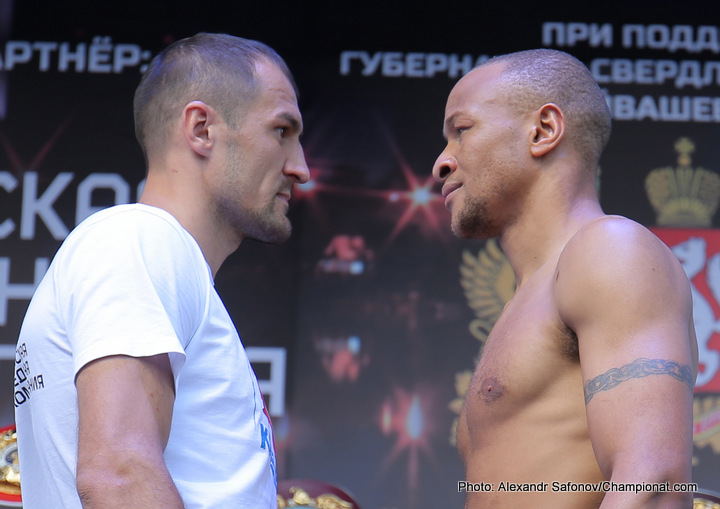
(547, 223)
(163, 189)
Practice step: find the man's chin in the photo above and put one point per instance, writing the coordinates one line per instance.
(460, 232)
(468, 232)
(465, 235)
(275, 234)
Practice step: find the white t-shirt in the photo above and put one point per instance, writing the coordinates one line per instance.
(130, 280)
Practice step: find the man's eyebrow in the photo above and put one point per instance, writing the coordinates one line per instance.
(449, 121)
(293, 120)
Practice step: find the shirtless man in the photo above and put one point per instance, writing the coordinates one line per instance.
(588, 373)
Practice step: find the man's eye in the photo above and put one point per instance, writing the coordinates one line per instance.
(282, 130)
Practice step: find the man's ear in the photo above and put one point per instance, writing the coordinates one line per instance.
(198, 122)
(548, 130)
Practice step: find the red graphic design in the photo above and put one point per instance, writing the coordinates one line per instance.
(699, 253)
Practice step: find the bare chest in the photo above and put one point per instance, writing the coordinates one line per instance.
(529, 358)
(524, 408)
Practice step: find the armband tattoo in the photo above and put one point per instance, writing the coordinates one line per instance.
(638, 369)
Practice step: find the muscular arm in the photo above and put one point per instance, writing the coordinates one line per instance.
(125, 408)
(628, 300)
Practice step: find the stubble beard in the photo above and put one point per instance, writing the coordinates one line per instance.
(474, 221)
(267, 224)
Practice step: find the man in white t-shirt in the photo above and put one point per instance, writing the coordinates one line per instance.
(136, 388)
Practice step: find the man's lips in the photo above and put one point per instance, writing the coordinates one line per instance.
(448, 189)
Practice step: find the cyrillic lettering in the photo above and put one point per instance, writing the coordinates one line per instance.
(125, 55)
(9, 183)
(657, 36)
(596, 69)
(601, 35)
(66, 56)
(632, 33)
(576, 32)
(689, 74)
(664, 70)
(671, 38)
(707, 39)
(274, 387)
(710, 69)
(345, 58)
(436, 62)
(622, 71)
(371, 64)
(646, 109)
(96, 181)
(415, 65)
(553, 34)
(644, 72)
(42, 206)
(623, 107)
(702, 109)
(100, 51)
(45, 49)
(682, 38)
(459, 67)
(392, 64)
(17, 52)
(675, 109)
(9, 291)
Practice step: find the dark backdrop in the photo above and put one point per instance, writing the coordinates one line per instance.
(367, 298)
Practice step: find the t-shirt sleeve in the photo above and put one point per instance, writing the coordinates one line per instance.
(131, 286)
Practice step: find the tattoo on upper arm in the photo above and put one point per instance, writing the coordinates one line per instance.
(638, 369)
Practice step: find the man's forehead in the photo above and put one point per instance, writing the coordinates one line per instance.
(275, 89)
(478, 85)
(483, 77)
(271, 77)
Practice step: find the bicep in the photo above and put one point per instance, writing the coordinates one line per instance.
(631, 309)
(640, 412)
(124, 403)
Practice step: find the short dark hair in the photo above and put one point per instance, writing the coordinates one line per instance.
(533, 78)
(217, 69)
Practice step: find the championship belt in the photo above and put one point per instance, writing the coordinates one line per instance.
(310, 493)
(706, 500)
(9, 468)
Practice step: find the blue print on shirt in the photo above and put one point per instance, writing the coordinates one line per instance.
(266, 441)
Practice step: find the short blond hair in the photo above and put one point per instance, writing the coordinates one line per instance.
(217, 69)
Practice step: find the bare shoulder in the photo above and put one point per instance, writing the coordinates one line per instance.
(616, 263)
(616, 244)
(615, 231)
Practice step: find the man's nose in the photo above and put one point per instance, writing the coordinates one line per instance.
(297, 166)
(444, 166)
